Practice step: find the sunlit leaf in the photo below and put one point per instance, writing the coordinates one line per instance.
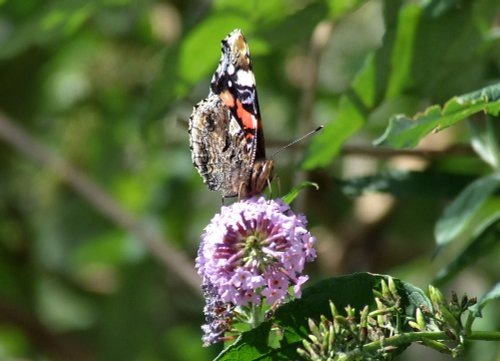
(364, 95)
(259, 11)
(290, 196)
(414, 63)
(486, 139)
(403, 53)
(404, 131)
(204, 43)
(352, 115)
(340, 8)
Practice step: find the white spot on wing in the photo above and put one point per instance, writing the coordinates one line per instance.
(245, 78)
(234, 127)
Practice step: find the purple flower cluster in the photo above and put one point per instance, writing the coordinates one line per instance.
(251, 250)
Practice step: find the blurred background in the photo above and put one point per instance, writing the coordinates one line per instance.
(101, 210)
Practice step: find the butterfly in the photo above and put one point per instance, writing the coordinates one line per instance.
(225, 129)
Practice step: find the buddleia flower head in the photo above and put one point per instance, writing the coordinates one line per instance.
(252, 254)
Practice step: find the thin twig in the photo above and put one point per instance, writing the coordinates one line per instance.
(457, 150)
(173, 260)
(430, 154)
(319, 40)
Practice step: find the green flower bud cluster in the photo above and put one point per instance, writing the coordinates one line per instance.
(444, 317)
(378, 331)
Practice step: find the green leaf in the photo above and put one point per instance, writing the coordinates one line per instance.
(355, 290)
(404, 131)
(47, 25)
(365, 94)
(407, 63)
(407, 183)
(486, 139)
(296, 28)
(258, 11)
(491, 295)
(438, 7)
(404, 48)
(457, 216)
(290, 196)
(483, 243)
(108, 249)
(441, 68)
(353, 111)
(204, 43)
(339, 9)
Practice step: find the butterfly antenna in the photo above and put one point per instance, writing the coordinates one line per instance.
(297, 140)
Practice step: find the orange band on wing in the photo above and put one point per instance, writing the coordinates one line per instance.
(246, 117)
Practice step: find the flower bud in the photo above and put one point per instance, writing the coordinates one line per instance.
(420, 319)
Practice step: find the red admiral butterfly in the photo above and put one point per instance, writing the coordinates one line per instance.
(225, 129)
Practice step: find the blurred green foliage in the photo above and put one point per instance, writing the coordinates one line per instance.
(108, 86)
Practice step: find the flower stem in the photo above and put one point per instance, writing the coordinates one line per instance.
(405, 338)
(256, 316)
(468, 323)
(410, 337)
(484, 335)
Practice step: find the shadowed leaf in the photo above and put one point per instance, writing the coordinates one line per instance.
(405, 183)
(483, 243)
(457, 216)
(491, 295)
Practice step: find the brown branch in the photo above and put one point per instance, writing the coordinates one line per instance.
(173, 259)
(430, 154)
(457, 150)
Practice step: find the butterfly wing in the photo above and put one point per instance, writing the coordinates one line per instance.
(234, 82)
(226, 136)
(216, 151)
